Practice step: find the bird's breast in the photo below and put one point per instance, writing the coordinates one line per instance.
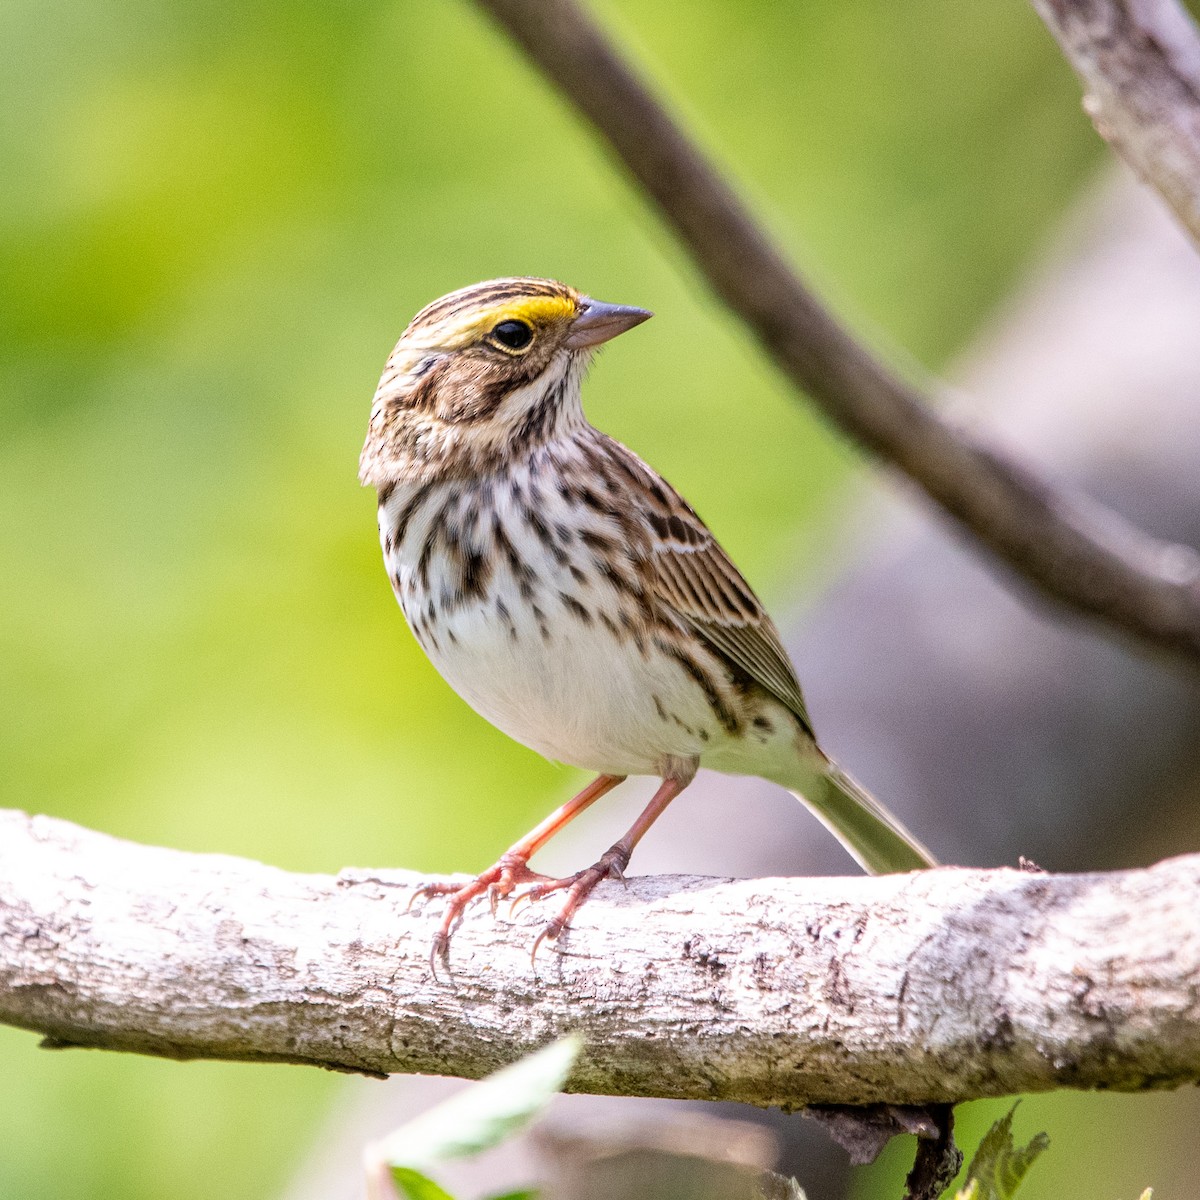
(531, 610)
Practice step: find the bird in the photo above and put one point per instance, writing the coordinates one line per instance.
(570, 595)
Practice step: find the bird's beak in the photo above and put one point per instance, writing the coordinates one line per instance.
(598, 323)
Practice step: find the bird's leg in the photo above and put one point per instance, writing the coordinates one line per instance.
(611, 864)
(512, 867)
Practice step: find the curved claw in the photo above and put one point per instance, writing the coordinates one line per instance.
(499, 881)
(427, 891)
(519, 899)
(439, 949)
(578, 887)
(548, 931)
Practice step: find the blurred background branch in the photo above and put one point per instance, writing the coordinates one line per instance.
(935, 987)
(1139, 61)
(1069, 546)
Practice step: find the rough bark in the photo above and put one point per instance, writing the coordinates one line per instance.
(930, 988)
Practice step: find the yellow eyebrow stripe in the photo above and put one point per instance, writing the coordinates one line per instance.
(537, 310)
(465, 328)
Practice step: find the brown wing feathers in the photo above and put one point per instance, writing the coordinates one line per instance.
(692, 574)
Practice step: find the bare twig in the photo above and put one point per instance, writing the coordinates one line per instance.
(1139, 61)
(862, 1130)
(1073, 549)
(938, 1160)
(929, 988)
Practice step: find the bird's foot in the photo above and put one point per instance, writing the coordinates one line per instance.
(498, 882)
(611, 865)
(514, 871)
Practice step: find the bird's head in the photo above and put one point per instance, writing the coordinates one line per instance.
(490, 369)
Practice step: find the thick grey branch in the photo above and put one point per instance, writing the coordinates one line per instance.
(936, 987)
(1139, 61)
(1074, 550)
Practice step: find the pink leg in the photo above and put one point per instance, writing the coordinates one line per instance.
(512, 867)
(612, 863)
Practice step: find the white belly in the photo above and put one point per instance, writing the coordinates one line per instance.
(575, 695)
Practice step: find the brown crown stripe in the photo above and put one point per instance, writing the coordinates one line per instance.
(487, 295)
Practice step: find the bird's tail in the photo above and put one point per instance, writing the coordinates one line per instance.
(868, 831)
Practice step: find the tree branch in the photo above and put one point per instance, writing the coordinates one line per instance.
(1139, 61)
(935, 987)
(1073, 549)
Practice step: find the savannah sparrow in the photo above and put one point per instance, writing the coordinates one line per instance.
(569, 594)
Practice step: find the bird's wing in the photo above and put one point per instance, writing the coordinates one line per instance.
(691, 574)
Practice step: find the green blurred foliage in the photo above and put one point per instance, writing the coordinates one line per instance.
(999, 1166)
(474, 1120)
(216, 219)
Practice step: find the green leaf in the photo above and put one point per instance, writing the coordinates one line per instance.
(999, 1166)
(415, 1186)
(529, 1194)
(484, 1114)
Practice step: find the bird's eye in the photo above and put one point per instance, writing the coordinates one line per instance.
(514, 335)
